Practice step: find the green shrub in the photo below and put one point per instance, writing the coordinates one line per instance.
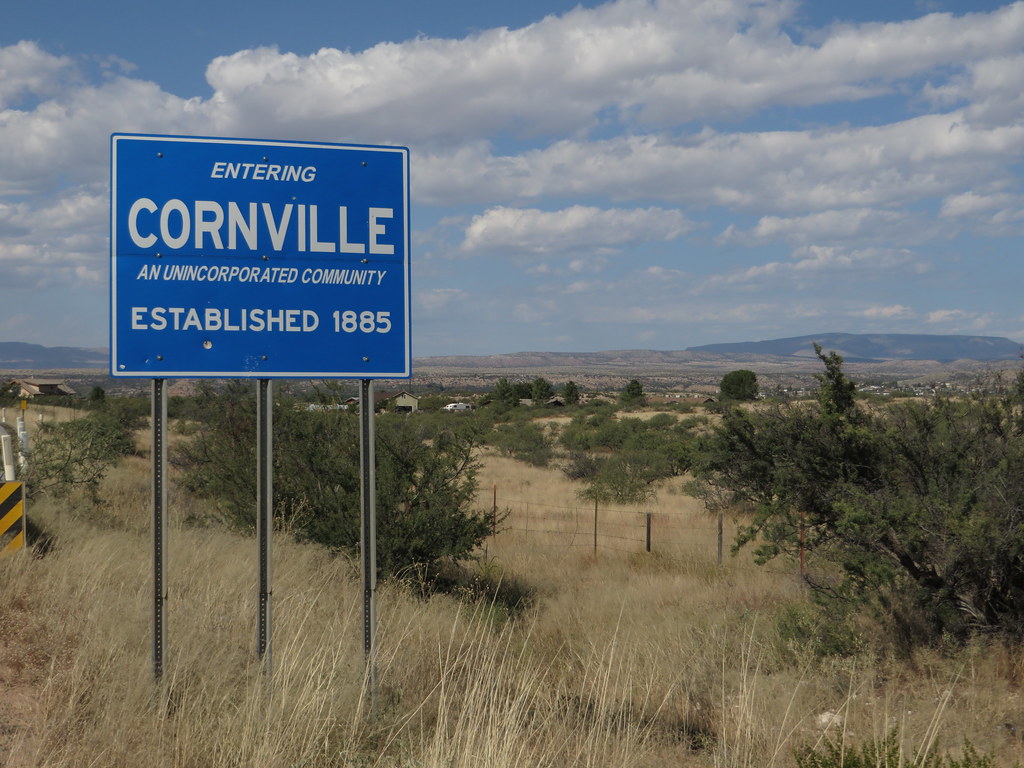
(917, 509)
(78, 453)
(582, 465)
(525, 441)
(425, 471)
(822, 630)
(886, 753)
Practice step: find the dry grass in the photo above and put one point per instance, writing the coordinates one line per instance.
(36, 414)
(627, 658)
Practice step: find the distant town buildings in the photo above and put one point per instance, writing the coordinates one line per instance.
(29, 388)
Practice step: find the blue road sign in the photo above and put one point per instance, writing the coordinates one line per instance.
(263, 259)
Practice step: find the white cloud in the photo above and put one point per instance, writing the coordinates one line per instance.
(26, 70)
(972, 203)
(581, 286)
(819, 263)
(960, 320)
(858, 224)
(535, 310)
(61, 241)
(989, 88)
(946, 315)
(528, 231)
(65, 139)
(654, 63)
(790, 171)
(439, 299)
(644, 63)
(994, 214)
(891, 312)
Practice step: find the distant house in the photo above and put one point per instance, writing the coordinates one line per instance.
(325, 407)
(41, 387)
(400, 402)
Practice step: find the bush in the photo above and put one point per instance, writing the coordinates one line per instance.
(425, 470)
(582, 465)
(918, 508)
(886, 753)
(79, 453)
(661, 444)
(525, 441)
(823, 630)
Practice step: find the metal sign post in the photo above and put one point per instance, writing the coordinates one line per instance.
(264, 516)
(368, 528)
(159, 524)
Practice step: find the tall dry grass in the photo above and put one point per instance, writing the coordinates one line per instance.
(625, 658)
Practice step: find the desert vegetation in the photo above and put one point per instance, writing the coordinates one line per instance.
(521, 637)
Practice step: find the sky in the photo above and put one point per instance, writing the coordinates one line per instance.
(584, 176)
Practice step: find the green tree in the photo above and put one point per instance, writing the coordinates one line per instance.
(916, 510)
(633, 395)
(541, 390)
(835, 391)
(8, 393)
(620, 479)
(571, 393)
(504, 393)
(523, 390)
(739, 385)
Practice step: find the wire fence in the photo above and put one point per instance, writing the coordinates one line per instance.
(598, 527)
(677, 535)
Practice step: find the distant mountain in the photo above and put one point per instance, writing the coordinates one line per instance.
(18, 356)
(855, 348)
(877, 347)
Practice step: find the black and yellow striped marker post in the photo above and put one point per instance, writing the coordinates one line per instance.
(12, 517)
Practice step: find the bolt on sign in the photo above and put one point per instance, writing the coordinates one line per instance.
(259, 259)
(12, 517)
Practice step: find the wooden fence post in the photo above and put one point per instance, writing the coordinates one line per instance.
(721, 534)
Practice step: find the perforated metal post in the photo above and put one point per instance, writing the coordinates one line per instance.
(368, 500)
(264, 518)
(159, 525)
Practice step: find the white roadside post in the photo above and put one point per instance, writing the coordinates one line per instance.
(8, 447)
(23, 439)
